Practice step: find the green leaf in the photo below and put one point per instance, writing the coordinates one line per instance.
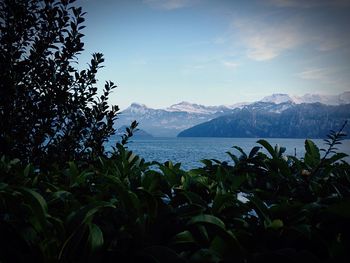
(337, 157)
(261, 209)
(222, 201)
(184, 237)
(73, 173)
(254, 151)
(233, 157)
(189, 210)
(95, 237)
(38, 206)
(128, 198)
(312, 154)
(149, 201)
(207, 219)
(276, 224)
(82, 215)
(192, 198)
(268, 147)
(27, 170)
(244, 155)
(237, 181)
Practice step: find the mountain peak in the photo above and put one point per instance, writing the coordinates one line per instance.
(137, 108)
(185, 106)
(278, 98)
(137, 105)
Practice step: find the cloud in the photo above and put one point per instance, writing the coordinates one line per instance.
(230, 64)
(169, 4)
(309, 3)
(267, 36)
(265, 41)
(315, 74)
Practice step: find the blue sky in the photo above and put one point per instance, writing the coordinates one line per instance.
(212, 52)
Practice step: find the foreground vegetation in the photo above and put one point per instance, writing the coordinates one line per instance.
(264, 208)
(63, 198)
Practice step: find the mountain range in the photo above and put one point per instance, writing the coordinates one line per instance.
(171, 121)
(306, 120)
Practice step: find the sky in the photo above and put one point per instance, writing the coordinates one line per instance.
(218, 52)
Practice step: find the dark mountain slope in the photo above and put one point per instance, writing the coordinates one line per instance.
(298, 121)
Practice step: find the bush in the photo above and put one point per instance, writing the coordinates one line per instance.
(48, 109)
(63, 199)
(261, 208)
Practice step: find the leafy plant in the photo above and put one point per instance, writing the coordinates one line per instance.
(49, 110)
(63, 198)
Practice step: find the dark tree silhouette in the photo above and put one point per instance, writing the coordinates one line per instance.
(49, 110)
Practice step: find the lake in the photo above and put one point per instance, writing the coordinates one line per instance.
(189, 151)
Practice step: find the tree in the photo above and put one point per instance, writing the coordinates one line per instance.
(49, 110)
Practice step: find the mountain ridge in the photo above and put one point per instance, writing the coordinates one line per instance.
(170, 121)
(305, 120)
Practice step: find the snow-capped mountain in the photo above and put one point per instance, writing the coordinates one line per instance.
(278, 98)
(196, 108)
(343, 98)
(170, 121)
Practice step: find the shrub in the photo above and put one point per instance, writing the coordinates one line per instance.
(49, 110)
(264, 207)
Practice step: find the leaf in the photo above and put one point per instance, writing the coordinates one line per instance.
(268, 147)
(312, 154)
(82, 215)
(73, 173)
(189, 210)
(59, 196)
(95, 237)
(233, 157)
(222, 201)
(128, 198)
(261, 209)
(276, 224)
(254, 151)
(184, 237)
(192, 198)
(337, 157)
(150, 202)
(38, 206)
(27, 170)
(237, 181)
(207, 219)
(244, 155)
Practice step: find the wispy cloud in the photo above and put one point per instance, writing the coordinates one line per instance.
(315, 74)
(230, 64)
(265, 41)
(309, 3)
(169, 4)
(268, 36)
(331, 76)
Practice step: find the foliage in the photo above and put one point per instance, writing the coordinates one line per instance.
(266, 206)
(64, 199)
(49, 110)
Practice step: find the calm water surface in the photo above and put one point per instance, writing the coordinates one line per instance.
(189, 151)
